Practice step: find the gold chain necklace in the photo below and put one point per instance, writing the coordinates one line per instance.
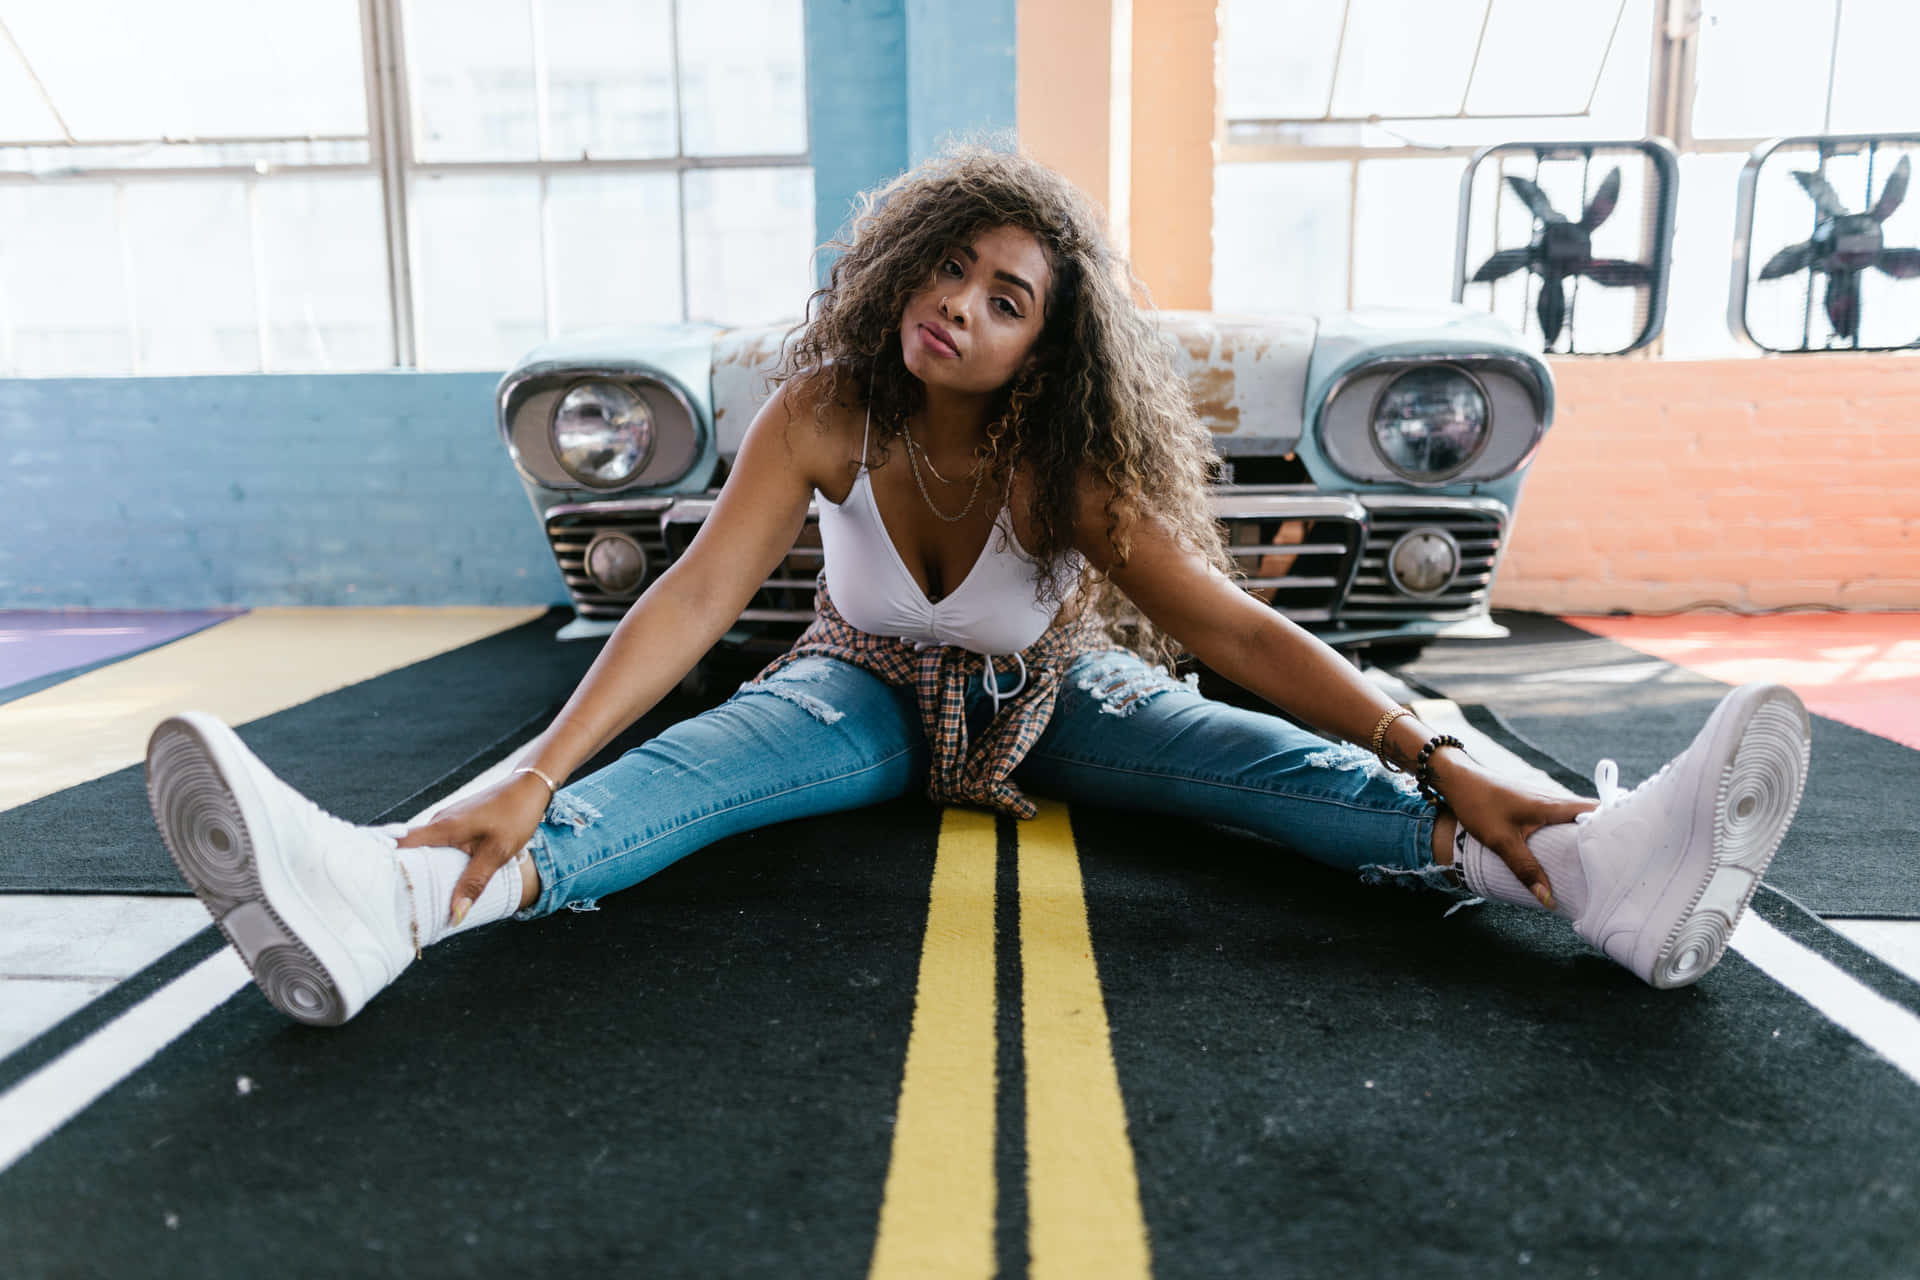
(928, 458)
(913, 462)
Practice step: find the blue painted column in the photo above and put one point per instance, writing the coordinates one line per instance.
(960, 71)
(887, 80)
(856, 104)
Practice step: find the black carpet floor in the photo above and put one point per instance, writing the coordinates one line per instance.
(1854, 849)
(699, 1079)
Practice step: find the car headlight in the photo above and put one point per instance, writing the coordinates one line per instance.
(1430, 422)
(602, 434)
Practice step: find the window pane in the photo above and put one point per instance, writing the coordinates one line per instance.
(476, 270)
(1403, 230)
(1280, 237)
(23, 113)
(1279, 57)
(1406, 57)
(1619, 104)
(193, 287)
(1540, 59)
(325, 310)
(211, 68)
(1873, 77)
(1702, 251)
(609, 78)
(1762, 68)
(616, 249)
(749, 244)
(742, 82)
(62, 289)
(470, 78)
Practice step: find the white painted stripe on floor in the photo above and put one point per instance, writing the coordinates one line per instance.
(1877, 1022)
(68, 1085)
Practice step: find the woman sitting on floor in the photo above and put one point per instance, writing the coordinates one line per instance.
(978, 327)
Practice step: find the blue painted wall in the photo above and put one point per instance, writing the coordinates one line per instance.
(393, 488)
(367, 489)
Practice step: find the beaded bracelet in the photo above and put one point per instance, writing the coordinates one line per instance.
(1423, 767)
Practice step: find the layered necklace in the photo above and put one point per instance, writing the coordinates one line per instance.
(916, 455)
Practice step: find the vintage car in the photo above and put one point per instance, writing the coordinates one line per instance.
(1370, 462)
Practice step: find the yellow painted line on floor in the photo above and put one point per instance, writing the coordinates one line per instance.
(240, 670)
(937, 1217)
(1083, 1199)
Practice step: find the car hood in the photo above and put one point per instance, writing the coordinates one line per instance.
(1248, 375)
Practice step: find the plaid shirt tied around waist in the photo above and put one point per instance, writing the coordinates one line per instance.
(979, 773)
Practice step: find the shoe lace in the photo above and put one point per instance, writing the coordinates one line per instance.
(1606, 785)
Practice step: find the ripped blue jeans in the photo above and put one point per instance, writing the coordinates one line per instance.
(824, 735)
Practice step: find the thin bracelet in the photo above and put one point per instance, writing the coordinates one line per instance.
(527, 768)
(1380, 736)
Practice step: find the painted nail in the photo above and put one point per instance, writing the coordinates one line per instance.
(1545, 895)
(460, 906)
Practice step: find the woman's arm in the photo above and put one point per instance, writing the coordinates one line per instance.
(752, 527)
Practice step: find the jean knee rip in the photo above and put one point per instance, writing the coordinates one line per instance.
(1347, 756)
(1120, 683)
(1430, 876)
(813, 706)
(568, 810)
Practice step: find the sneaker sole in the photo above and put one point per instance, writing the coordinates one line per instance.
(1755, 799)
(204, 827)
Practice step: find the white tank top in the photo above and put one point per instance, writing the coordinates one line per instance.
(991, 611)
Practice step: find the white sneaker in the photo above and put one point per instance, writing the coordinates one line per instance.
(1671, 864)
(316, 906)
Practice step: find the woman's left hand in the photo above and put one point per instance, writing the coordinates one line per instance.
(1501, 815)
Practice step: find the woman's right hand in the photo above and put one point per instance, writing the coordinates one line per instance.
(491, 826)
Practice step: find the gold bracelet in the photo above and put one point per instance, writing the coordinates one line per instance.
(527, 768)
(1380, 736)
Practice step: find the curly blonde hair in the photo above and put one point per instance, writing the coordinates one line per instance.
(1104, 392)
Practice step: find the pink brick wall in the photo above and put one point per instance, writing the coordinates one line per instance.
(1747, 483)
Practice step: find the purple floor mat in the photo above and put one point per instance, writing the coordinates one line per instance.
(34, 645)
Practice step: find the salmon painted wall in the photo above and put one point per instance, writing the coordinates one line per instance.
(1754, 484)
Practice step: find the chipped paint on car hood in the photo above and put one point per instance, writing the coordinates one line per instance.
(1248, 375)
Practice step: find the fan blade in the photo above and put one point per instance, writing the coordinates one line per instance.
(1823, 197)
(1789, 260)
(1552, 307)
(1535, 199)
(1894, 192)
(1901, 264)
(1843, 303)
(1617, 274)
(1505, 262)
(1603, 200)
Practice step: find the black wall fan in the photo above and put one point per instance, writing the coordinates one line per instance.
(1844, 244)
(1632, 223)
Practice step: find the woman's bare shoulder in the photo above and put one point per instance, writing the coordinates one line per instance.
(823, 431)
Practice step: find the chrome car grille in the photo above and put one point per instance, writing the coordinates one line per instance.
(1318, 559)
(1298, 551)
(787, 596)
(571, 528)
(1478, 525)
